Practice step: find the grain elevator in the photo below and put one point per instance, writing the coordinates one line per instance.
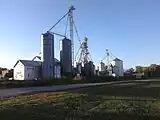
(66, 55)
(47, 54)
(118, 67)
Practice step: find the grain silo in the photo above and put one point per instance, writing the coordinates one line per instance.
(89, 68)
(118, 67)
(47, 54)
(66, 55)
(86, 69)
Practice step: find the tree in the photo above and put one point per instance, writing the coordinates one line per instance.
(131, 70)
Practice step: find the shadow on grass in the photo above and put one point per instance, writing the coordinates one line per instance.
(133, 91)
(78, 116)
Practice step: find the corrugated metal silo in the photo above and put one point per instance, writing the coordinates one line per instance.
(89, 68)
(118, 67)
(66, 55)
(47, 54)
(86, 68)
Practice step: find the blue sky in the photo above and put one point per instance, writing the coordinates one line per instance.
(129, 28)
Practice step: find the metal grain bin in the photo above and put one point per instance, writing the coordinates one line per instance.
(66, 55)
(47, 52)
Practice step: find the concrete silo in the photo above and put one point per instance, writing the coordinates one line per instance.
(118, 67)
(47, 55)
(66, 55)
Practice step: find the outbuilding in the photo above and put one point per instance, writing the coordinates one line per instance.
(27, 70)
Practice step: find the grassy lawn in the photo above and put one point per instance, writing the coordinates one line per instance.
(114, 102)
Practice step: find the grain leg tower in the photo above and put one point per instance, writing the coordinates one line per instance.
(47, 54)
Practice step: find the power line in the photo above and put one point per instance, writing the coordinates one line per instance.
(58, 21)
(66, 27)
(76, 32)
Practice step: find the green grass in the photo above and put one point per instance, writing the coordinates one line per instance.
(115, 102)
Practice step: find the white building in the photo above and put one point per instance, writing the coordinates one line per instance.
(27, 70)
(117, 67)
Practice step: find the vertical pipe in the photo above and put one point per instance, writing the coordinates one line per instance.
(71, 31)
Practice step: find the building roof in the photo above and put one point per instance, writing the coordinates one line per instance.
(33, 63)
(116, 59)
(29, 63)
(56, 60)
(39, 57)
